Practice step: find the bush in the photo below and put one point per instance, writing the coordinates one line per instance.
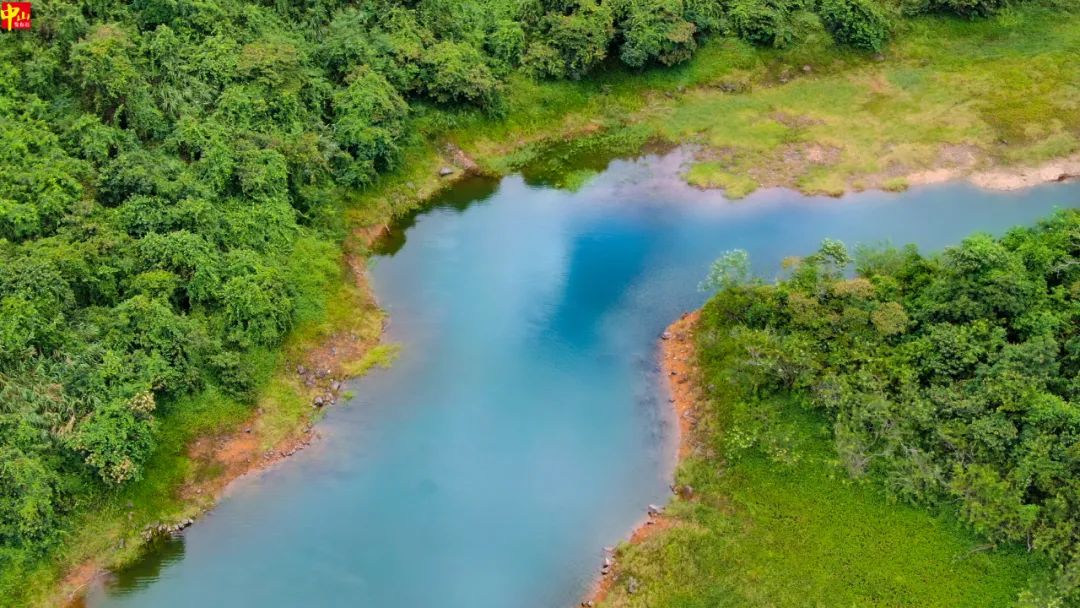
(164, 349)
(762, 22)
(258, 302)
(455, 72)
(706, 15)
(117, 438)
(572, 43)
(33, 301)
(655, 30)
(236, 375)
(541, 60)
(368, 115)
(27, 486)
(858, 23)
(112, 81)
(506, 42)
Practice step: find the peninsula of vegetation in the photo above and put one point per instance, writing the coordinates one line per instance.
(188, 191)
(903, 437)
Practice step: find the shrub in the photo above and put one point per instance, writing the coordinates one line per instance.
(117, 438)
(654, 30)
(258, 302)
(368, 116)
(27, 492)
(762, 22)
(506, 42)
(455, 72)
(858, 23)
(572, 43)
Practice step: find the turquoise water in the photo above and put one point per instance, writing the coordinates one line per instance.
(524, 426)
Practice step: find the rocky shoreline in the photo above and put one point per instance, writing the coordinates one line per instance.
(678, 365)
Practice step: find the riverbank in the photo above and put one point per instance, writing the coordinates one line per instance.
(311, 369)
(1006, 178)
(678, 364)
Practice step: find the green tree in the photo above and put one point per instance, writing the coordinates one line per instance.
(368, 125)
(455, 72)
(729, 271)
(571, 42)
(109, 77)
(117, 438)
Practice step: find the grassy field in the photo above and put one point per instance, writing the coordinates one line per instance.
(947, 92)
(765, 533)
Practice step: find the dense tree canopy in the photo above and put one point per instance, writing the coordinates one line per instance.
(953, 379)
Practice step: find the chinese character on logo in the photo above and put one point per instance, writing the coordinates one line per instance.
(14, 16)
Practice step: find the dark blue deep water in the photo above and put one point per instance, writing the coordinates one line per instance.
(523, 427)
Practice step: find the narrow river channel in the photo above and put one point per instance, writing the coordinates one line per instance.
(524, 425)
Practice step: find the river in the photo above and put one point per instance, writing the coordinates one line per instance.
(524, 426)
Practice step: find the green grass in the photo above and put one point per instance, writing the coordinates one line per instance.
(950, 93)
(797, 532)
(382, 355)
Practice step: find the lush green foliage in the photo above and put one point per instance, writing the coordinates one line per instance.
(952, 379)
(655, 30)
(764, 22)
(858, 23)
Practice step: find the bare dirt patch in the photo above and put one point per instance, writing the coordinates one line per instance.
(793, 161)
(794, 121)
(963, 165)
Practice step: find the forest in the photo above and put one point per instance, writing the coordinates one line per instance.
(950, 381)
(171, 184)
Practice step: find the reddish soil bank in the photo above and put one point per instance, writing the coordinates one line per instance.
(678, 365)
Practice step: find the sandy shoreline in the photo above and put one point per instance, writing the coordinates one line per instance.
(1003, 178)
(677, 364)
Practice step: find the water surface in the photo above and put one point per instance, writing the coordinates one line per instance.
(524, 426)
